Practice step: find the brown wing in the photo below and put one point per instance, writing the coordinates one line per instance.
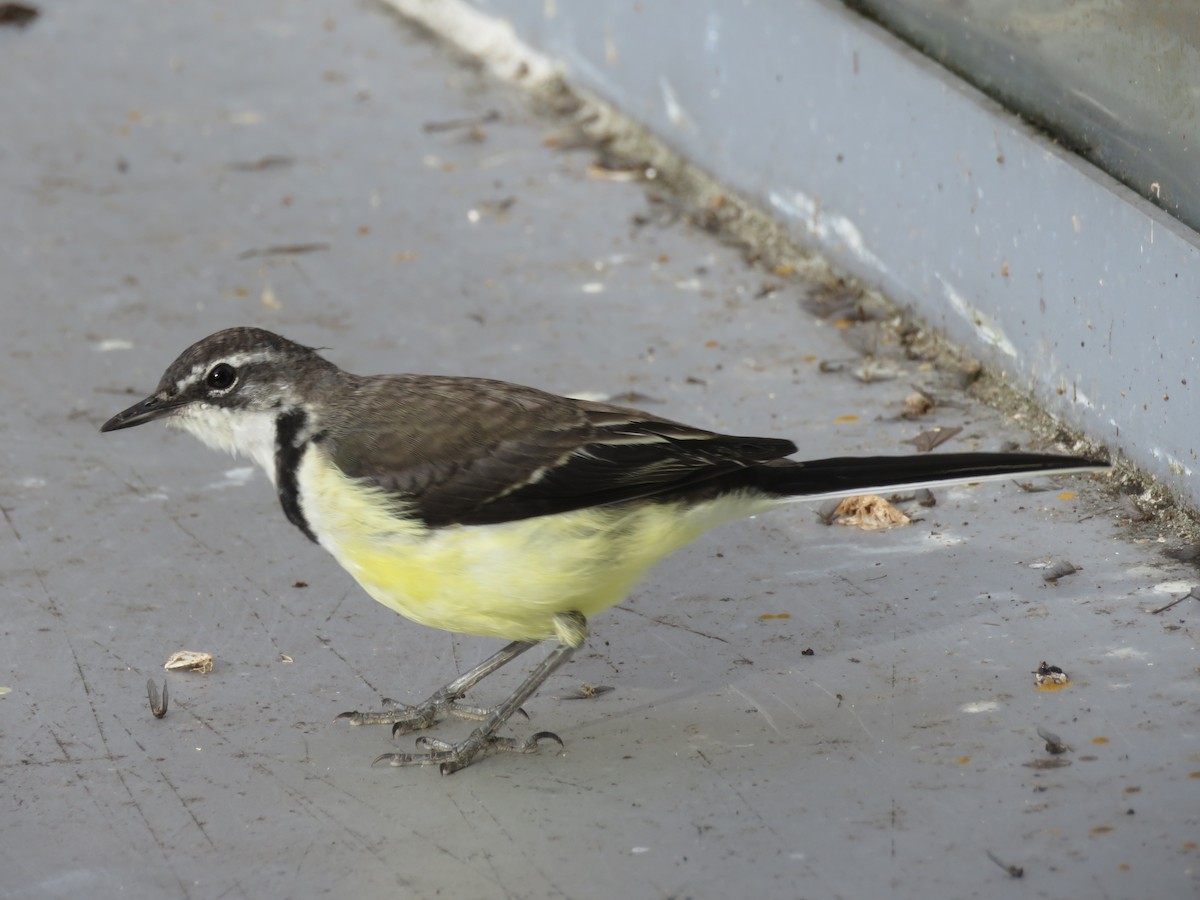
(474, 452)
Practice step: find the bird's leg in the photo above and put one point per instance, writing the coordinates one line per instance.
(444, 701)
(483, 741)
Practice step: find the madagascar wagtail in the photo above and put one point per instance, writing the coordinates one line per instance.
(488, 508)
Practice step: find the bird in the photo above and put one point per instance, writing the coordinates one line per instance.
(489, 508)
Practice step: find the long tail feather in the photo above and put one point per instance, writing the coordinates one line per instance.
(837, 477)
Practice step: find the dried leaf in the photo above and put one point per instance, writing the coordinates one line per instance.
(918, 404)
(870, 512)
(191, 660)
(871, 370)
(933, 438)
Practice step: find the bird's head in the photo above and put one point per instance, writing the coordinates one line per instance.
(229, 389)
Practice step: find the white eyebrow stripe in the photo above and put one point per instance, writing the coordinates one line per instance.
(236, 360)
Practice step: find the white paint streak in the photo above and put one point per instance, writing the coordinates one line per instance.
(1125, 653)
(234, 478)
(829, 228)
(1173, 587)
(109, 344)
(849, 706)
(986, 328)
(712, 32)
(492, 40)
(757, 708)
(1177, 466)
(980, 706)
(676, 114)
(1092, 101)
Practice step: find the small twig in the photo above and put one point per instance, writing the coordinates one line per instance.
(1190, 594)
(283, 250)
(467, 122)
(1014, 871)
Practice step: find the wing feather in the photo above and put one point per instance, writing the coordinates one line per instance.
(473, 451)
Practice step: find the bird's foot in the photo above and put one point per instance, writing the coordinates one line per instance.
(478, 744)
(404, 718)
(483, 740)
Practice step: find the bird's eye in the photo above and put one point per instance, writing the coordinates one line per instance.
(221, 377)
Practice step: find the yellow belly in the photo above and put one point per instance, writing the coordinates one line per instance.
(507, 580)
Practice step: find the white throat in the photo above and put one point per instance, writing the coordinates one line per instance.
(240, 432)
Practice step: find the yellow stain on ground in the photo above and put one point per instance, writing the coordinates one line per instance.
(775, 616)
(843, 420)
(1067, 495)
(1051, 686)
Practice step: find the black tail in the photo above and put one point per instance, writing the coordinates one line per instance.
(845, 475)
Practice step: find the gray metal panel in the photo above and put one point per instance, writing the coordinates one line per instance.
(1113, 80)
(1037, 261)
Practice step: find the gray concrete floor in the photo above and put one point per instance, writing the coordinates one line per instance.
(147, 150)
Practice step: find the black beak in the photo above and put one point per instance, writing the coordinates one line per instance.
(153, 407)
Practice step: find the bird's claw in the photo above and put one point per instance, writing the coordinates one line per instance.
(404, 719)
(450, 757)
